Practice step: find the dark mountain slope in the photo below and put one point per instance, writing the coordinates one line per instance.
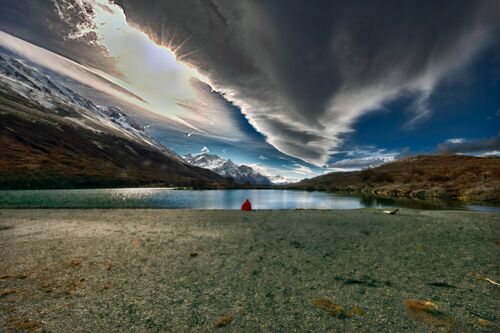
(51, 137)
(36, 154)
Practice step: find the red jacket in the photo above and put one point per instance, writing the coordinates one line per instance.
(246, 205)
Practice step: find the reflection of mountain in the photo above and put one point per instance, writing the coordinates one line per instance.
(51, 136)
(227, 168)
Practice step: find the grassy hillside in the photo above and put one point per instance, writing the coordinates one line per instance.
(39, 151)
(458, 177)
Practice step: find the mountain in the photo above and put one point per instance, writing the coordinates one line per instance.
(227, 168)
(51, 136)
(459, 177)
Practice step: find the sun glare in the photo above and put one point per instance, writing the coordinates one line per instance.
(149, 70)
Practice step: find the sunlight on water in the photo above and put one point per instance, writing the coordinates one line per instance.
(207, 199)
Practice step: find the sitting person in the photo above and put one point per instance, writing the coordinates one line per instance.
(246, 205)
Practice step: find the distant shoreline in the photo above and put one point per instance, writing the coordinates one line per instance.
(440, 176)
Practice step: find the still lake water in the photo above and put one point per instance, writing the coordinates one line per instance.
(207, 199)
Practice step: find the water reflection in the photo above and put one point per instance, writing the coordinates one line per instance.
(221, 199)
(370, 201)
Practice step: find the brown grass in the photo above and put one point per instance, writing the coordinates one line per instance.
(223, 320)
(459, 177)
(428, 312)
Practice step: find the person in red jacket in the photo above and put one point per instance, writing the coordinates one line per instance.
(246, 205)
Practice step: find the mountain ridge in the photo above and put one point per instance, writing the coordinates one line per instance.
(443, 176)
(53, 137)
(241, 173)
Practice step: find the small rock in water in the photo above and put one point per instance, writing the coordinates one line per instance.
(193, 254)
(391, 212)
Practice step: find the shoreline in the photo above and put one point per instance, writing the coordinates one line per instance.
(362, 193)
(162, 270)
(177, 198)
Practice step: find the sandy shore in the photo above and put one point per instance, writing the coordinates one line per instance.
(263, 271)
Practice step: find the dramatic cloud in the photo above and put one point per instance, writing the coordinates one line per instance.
(165, 86)
(486, 146)
(304, 72)
(37, 21)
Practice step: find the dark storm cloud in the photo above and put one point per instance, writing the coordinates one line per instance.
(485, 145)
(301, 71)
(38, 22)
(304, 71)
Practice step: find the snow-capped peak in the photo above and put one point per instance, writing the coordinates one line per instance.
(65, 105)
(227, 168)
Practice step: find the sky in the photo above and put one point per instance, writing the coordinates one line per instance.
(296, 88)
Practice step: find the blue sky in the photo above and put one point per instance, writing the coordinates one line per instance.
(465, 107)
(291, 88)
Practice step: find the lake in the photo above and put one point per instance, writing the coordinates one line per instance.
(207, 199)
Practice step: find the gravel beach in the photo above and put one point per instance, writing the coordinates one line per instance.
(155, 270)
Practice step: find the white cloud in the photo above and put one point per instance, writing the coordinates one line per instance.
(283, 175)
(204, 150)
(478, 146)
(299, 168)
(490, 153)
(363, 157)
(456, 140)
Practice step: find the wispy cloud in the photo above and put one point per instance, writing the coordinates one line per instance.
(363, 157)
(302, 169)
(455, 140)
